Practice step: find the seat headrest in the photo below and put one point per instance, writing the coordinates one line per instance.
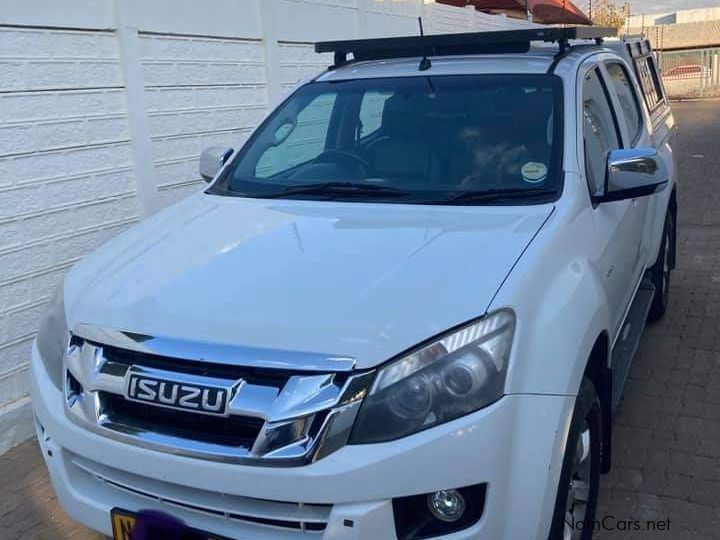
(404, 114)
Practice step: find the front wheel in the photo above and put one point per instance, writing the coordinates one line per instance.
(577, 495)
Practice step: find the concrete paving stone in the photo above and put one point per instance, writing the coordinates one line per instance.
(678, 486)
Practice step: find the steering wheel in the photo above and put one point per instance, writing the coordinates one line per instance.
(336, 155)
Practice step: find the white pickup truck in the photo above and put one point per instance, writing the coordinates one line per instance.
(405, 308)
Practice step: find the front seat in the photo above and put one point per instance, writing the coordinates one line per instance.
(400, 152)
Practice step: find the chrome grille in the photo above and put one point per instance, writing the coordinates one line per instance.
(238, 431)
(274, 416)
(273, 378)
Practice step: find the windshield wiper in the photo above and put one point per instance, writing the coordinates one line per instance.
(338, 189)
(497, 195)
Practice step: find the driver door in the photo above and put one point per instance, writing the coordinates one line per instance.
(619, 224)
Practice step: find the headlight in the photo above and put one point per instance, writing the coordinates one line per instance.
(52, 338)
(453, 375)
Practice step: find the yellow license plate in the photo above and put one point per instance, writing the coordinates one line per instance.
(124, 521)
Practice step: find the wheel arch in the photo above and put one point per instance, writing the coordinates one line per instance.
(599, 372)
(673, 209)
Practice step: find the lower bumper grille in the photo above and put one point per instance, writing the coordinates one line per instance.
(307, 518)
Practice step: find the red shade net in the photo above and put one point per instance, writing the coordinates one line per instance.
(543, 11)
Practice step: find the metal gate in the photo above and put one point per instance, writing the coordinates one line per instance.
(691, 74)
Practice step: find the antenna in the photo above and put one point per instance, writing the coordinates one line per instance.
(425, 63)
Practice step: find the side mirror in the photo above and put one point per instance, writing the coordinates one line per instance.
(211, 161)
(632, 173)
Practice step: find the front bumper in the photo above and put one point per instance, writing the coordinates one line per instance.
(515, 446)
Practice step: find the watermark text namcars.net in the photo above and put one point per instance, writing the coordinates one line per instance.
(612, 523)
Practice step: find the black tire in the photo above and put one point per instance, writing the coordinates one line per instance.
(661, 271)
(580, 478)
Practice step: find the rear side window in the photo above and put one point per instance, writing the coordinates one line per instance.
(649, 80)
(599, 130)
(622, 87)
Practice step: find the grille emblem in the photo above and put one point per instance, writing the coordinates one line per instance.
(185, 396)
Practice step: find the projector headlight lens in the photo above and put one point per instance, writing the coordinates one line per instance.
(454, 375)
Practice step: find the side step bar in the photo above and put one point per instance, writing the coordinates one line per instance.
(628, 342)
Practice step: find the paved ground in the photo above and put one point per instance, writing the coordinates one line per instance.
(666, 448)
(667, 439)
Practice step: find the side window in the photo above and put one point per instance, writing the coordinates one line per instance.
(599, 130)
(371, 111)
(299, 142)
(623, 88)
(655, 75)
(649, 80)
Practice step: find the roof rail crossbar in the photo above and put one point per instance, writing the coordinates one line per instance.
(498, 42)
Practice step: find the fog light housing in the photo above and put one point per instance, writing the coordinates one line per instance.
(446, 505)
(438, 513)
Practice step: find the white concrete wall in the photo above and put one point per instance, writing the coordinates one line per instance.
(198, 92)
(66, 181)
(105, 106)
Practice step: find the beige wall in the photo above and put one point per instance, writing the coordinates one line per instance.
(673, 17)
(682, 36)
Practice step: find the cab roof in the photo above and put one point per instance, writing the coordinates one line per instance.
(443, 65)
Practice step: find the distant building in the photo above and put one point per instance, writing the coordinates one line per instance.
(679, 30)
(681, 36)
(688, 45)
(675, 17)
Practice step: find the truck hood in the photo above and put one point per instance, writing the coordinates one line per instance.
(353, 279)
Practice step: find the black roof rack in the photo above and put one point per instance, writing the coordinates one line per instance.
(504, 41)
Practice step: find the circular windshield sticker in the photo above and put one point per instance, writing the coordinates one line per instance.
(534, 172)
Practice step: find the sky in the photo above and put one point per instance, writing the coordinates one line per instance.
(660, 6)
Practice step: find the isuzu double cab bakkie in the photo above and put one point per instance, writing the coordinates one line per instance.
(404, 308)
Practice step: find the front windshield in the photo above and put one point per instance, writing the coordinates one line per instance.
(461, 139)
